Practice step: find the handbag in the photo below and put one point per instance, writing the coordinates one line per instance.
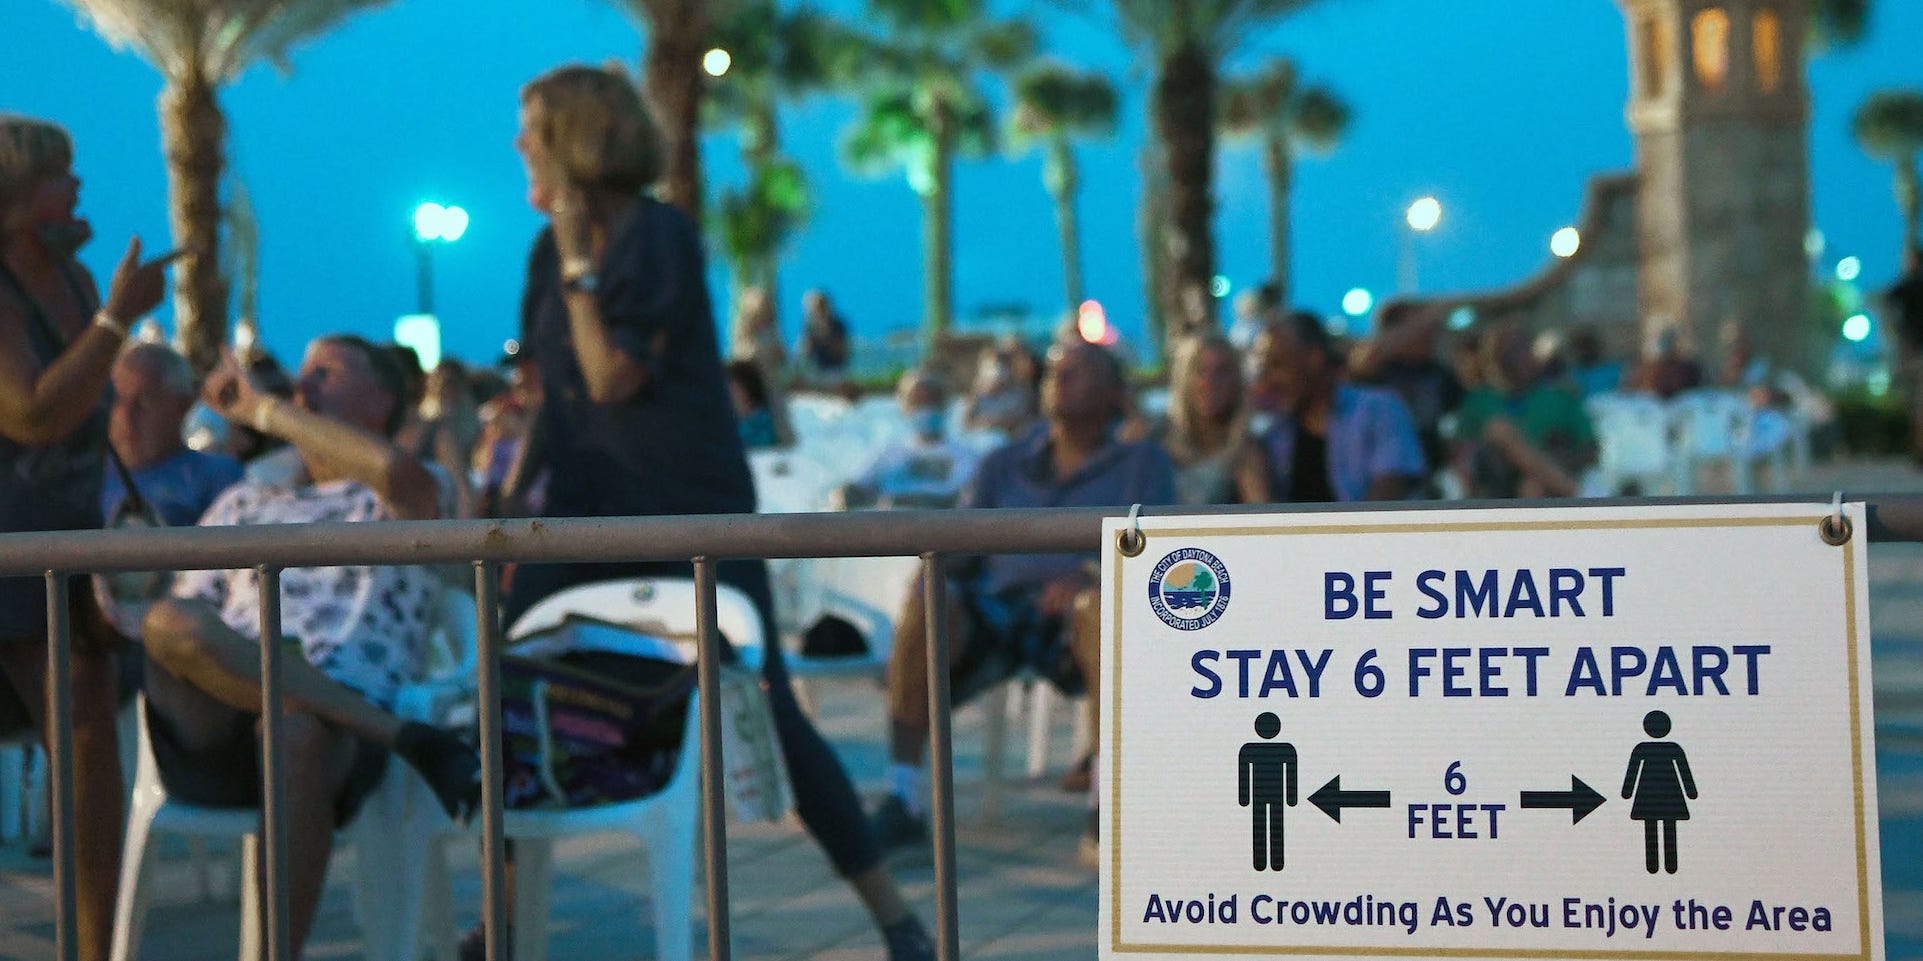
(593, 712)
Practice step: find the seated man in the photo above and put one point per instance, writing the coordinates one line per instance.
(362, 631)
(926, 469)
(1331, 441)
(173, 486)
(1035, 611)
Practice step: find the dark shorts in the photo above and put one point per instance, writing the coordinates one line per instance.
(227, 775)
(1008, 634)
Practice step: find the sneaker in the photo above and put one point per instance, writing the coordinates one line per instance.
(1089, 851)
(896, 827)
(907, 940)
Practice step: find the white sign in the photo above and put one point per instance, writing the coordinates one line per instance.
(1624, 733)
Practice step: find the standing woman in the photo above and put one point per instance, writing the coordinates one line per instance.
(57, 349)
(636, 418)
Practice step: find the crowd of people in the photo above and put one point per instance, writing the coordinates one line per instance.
(618, 402)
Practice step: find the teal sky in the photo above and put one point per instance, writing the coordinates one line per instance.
(1502, 108)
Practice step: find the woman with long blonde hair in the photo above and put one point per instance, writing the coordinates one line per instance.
(1206, 431)
(58, 343)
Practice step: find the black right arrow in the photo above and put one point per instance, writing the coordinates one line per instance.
(1332, 799)
(1580, 799)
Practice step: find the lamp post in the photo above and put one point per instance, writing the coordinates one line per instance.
(433, 224)
(1422, 217)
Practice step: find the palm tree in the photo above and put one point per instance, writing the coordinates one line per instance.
(1287, 118)
(756, 221)
(1839, 23)
(1189, 41)
(776, 55)
(1055, 104)
(674, 82)
(925, 108)
(198, 48)
(1889, 126)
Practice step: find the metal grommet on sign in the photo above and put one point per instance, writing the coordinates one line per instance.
(1131, 542)
(1835, 529)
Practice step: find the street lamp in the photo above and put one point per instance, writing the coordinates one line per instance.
(716, 62)
(1422, 217)
(433, 224)
(1565, 242)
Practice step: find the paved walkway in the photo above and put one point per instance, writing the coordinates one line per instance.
(1022, 895)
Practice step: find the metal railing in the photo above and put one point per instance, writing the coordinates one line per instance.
(933, 535)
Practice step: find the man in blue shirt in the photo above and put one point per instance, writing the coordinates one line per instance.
(153, 391)
(1331, 441)
(1033, 611)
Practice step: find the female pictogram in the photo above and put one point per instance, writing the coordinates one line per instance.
(1659, 780)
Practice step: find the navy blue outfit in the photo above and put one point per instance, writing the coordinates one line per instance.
(52, 487)
(673, 448)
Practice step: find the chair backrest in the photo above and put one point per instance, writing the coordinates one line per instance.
(1632, 433)
(789, 481)
(664, 606)
(1714, 423)
(459, 632)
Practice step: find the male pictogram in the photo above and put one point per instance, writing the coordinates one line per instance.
(1267, 772)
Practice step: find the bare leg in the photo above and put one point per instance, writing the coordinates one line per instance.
(318, 761)
(908, 674)
(98, 787)
(1085, 642)
(188, 639)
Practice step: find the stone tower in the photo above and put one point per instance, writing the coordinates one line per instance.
(1719, 107)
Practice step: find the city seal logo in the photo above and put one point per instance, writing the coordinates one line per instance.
(1189, 589)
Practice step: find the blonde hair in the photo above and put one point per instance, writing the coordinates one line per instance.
(1183, 418)
(593, 123)
(29, 150)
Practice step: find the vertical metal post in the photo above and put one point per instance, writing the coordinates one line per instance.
(276, 934)
(941, 766)
(60, 763)
(494, 914)
(424, 275)
(714, 810)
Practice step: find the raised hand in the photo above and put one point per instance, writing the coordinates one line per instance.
(230, 392)
(136, 287)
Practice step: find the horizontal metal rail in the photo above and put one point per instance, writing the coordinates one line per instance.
(932, 535)
(1892, 517)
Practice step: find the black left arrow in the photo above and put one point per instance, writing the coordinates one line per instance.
(1332, 799)
(1580, 799)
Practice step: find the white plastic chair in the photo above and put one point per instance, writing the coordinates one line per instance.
(1636, 444)
(391, 835)
(1715, 427)
(664, 821)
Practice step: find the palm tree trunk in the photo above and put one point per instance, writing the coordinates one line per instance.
(1281, 170)
(1064, 182)
(1151, 223)
(1185, 121)
(938, 222)
(764, 145)
(1909, 192)
(674, 84)
(193, 134)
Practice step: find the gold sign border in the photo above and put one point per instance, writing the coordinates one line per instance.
(1114, 747)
